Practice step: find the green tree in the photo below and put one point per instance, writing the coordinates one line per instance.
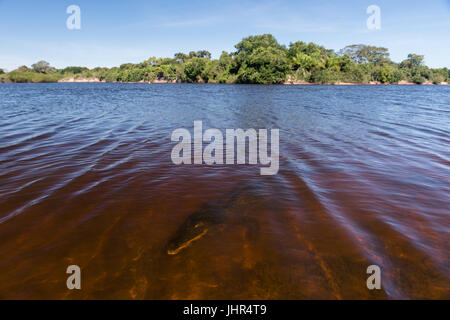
(413, 61)
(418, 79)
(440, 75)
(126, 66)
(250, 44)
(74, 70)
(194, 69)
(203, 54)
(384, 74)
(181, 57)
(261, 59)
(309, 49)
(324, 76)
(361, 53)
(42, 67)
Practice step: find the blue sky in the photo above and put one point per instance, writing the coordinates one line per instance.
(115, 32)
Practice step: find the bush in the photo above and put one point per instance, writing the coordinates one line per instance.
(324, 76)
(73, 70)
(418, 79)
(437, 78)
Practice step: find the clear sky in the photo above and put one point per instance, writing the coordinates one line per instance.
(115, 32)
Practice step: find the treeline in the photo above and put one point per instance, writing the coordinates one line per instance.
(257, 60)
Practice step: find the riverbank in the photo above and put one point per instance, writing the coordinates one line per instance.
(257, 60)
(288, 82)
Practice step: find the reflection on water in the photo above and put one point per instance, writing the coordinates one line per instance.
(86, 179)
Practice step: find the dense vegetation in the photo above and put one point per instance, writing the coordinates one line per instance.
(258, 60)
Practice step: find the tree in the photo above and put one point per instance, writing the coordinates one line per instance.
(361, 53)
(413, 61)
(418, 79)
(265, 65)
(385, 74)
(440, 75)
(324, 76)
(308, 62)
(74, 70)
(194, 68)
(310, 49)
(250, 44)
(42, 67)
(126, 66)
(165, 61)
(181, 57)
(193, 54)
(261, 59)
(23, 69)
(2, 71)
(151, 61)
(203, 54)
(226, 60)
(219, 71)
(415, 70)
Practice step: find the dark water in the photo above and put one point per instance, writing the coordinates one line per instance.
(86, 178)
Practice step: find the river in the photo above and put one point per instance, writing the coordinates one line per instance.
(86, 179)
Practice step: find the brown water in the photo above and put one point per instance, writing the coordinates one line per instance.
(86, 178)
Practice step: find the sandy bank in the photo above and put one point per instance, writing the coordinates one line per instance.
(80, 80)
(290, 82)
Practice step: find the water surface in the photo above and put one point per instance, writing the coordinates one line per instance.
(86, 178)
